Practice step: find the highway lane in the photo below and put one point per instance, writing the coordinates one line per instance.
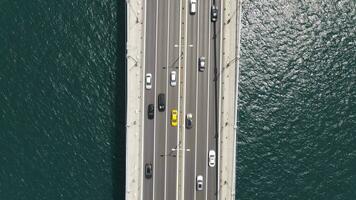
(202, 96)
(190, 106)
(214, 85)
(162, 37)
(172, 100)
(149, 95)
(200, 101)
(161, 84)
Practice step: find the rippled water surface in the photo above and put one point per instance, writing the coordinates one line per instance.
(297, 137)
(61, 103)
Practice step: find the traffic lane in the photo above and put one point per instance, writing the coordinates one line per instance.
(148, 146)
(212, 139)
(202, 95)
(191, 67)
(148, 142)
(201, 144)
(171, 155)
(160, 123)
(172, 132)
(213, 100)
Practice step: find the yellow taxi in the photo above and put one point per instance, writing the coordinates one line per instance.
(174, 117)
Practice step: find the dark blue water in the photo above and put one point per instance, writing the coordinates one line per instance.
(297, 137)
(62, 110)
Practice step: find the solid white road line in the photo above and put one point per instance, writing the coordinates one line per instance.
(208, 106)
(185, 89)
(143, 97)
(167, 85)
(179, 81)
(155, 106)
(196, 101)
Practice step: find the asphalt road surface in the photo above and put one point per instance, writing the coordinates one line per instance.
(163, 33)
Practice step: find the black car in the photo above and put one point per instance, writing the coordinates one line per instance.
(161, 102)
(151, 111)
(214, 13)
(148, 170)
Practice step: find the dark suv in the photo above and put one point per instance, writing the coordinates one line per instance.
(151, 111)
(148, 170)
(161, 102)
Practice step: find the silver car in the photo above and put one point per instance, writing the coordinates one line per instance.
(200, 184)
(148, 81)
(173, 78)
(189, 121)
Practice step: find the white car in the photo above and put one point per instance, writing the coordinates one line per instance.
(148, 81)
(189, 121)
(211, 158)
(193, 6)
(214, 13)
(201, 64)
(173, 78)
(200, 182)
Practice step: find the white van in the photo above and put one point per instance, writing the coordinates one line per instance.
(193, 6)
(148, 81)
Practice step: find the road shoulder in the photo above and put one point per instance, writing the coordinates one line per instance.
(228, 98)
(134, 95)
